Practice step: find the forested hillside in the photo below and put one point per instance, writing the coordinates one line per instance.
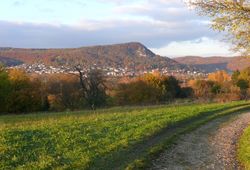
(211, 64)
(130, 55)
(9, 61)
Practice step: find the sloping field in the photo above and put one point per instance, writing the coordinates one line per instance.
(105, 139)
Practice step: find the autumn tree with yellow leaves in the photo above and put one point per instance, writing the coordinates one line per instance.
(231, 16)
(219, 77)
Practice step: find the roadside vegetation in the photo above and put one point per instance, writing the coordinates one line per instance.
(96, 139)
(244, 149)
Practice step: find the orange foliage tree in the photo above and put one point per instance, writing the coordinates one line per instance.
(148, 89)
(219, 77)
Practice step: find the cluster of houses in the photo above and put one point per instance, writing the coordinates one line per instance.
(40, 68)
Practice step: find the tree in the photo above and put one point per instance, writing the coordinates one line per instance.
(242, 80)
(19, 99)
(219, 77)
(235, 76)
(172, 88)
(150, 89)
(40, 90)
(232, 16)
(203, 89)
(93, 87)
(245, 74)
(5, 89)
(216, 89)
(243, 85)
(63, 91)
(154, 82)
(137, 92)
(24, 96)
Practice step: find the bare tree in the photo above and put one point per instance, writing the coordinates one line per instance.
(93, 87)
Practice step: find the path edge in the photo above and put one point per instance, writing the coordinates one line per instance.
(145, 161)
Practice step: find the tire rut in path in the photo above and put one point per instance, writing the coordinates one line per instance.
(212, 146)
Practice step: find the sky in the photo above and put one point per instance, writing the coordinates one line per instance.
(167, 27)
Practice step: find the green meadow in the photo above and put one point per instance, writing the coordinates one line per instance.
(103, 139)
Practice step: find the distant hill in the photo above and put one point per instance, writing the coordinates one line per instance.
(211, 64)
(129, 55)
(9, 61)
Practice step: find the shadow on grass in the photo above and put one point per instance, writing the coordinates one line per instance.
(121, 158)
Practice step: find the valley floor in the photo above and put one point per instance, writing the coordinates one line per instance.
(212, 146)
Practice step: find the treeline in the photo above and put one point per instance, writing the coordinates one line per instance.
(22, 93)
(223, 87)
(150, 89)
(18, 93)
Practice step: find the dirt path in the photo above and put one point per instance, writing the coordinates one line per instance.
(213, 146)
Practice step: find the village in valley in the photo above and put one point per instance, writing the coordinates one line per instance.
(41, 68)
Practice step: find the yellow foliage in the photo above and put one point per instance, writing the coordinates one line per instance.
(192, 83)
(219, 76)
(18, 75)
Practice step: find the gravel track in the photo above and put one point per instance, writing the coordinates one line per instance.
(212, 146)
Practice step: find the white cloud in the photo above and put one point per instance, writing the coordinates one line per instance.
(152, 33)
(154, 23)
(199, 47)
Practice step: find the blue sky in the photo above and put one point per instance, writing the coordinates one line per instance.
(167, 27)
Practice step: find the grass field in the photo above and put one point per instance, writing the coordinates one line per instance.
(244, 149)
(103, 139)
